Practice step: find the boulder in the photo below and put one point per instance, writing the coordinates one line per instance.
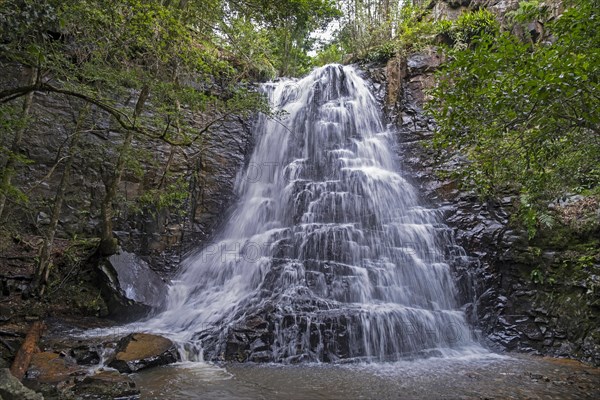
(12, 389)
(86, 355)
(141, 350)
(424, 62)
(106, 385)
(131, 287)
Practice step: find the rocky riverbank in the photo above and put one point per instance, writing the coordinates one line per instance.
(72, 366)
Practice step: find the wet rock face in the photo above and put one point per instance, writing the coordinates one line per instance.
(259, 336)
(86, 354)
(140, 350)
(164, 237)
(501, 299)
(131, 287)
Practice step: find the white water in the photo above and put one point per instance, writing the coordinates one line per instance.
(328, 244)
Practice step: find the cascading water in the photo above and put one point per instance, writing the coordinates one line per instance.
(328, 254)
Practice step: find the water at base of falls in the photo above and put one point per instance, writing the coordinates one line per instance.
(472, 377)
(327, 255)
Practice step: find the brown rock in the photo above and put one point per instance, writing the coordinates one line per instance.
(141, 350)
(395, 72)
(49, 367)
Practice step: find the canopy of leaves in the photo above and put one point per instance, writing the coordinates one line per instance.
(189, 55)
(377, 30)
(166, 69)
(291, 23)
(103, 51)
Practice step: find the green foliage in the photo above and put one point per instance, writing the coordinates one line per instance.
(376, 32)
(532, 217)
(104, 50)
(330, 54)
(537, 276)
(250, 49)
(469, 26)
(284, 28)
(172, 197)
(411, 29)
(151, 66)
(382, 52)
(366, 24)
(25, 27)
(11, 120)
(79, 249)
(415, 30)
(526, 116)
(586, 261)
(529, 10)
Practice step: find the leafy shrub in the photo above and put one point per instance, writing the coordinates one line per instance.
(469, 26)
(525, 115)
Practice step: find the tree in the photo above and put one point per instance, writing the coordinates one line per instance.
(12, 155)
(44, 263)
(151, 68)
(368, 24)
(289, 24)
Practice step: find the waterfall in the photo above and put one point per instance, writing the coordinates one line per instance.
(328, 254)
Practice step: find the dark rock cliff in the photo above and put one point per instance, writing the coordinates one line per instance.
(206, 171)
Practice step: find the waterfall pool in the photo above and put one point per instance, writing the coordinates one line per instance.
(488, 376)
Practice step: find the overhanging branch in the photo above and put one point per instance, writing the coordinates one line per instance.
(122, 118)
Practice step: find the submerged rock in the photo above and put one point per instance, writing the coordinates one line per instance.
(138, 351)
(12, 389)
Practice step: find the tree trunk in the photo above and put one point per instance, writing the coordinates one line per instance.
(11, 161)
(108, 244)
(43, 269)
(27, 349)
